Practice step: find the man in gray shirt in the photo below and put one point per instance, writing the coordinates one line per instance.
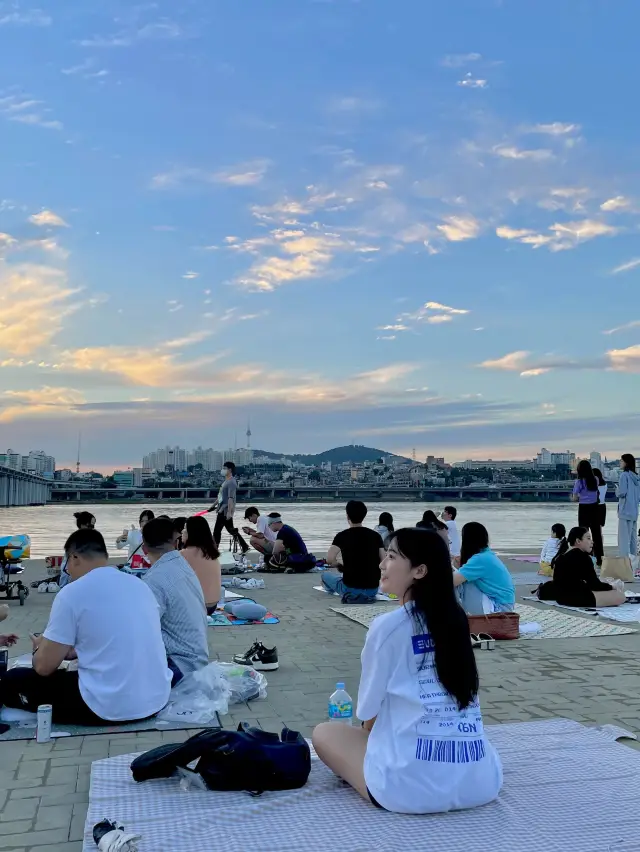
(183, 615)
(226, 507)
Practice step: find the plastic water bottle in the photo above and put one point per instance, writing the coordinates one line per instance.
(341, 706)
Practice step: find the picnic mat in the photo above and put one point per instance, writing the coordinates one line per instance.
(528, 578)
(584, 785)
(555, 625)
(225, 619)
(28, 731)
(625, 613)
(379, 597)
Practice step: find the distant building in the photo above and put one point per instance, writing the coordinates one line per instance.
(596, 460)
(492, 464)
(37, 462)
(124, 478)
(64, 475)
(547, 459)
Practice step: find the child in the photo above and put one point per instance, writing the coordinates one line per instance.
(551, 547)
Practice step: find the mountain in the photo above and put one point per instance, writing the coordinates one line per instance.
(352, 453)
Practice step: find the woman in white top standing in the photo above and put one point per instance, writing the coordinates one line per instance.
(421, 748)
(602, 492)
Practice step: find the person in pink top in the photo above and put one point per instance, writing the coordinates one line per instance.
(201, 553)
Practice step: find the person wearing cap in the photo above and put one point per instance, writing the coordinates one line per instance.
(290, 554)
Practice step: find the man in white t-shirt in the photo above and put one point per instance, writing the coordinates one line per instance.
(455, 542)
(263, 537)
(109, 622)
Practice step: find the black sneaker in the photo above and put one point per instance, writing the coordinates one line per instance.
(258, 657)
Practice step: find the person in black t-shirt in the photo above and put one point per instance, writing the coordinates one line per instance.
(575, 582)
(357, 552)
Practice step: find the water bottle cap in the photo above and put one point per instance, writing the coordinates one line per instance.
(339, 685)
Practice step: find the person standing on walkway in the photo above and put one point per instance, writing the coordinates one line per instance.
(628, 502)
(226, 507)
(587, 496)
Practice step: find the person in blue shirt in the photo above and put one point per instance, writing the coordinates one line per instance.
(483, 583)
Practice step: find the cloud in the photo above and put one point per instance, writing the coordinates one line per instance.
(433, 313)
(161, 30)
(625, 327)
(459, 228)
(15, 107)
(34, 301)
(625, 360)
(510, 362)
(27, 18)
(41, 402)
(244, 174)
(565, 235)
(470, 82)
(48, 218)
(556, 128)
(305, 257)
(626, 267)
(459, 60)
(614, 205)
(511, 152)
(191, 275)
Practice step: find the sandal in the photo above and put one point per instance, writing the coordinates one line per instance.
(483, 642)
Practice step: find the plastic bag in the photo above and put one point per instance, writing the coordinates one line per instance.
(197, 698)
(244, 682)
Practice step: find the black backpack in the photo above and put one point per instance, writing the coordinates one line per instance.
(247, 759)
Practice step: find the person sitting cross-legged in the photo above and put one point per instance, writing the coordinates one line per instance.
(108, 621)
(290, 554)
(357, 552)
(177, 589)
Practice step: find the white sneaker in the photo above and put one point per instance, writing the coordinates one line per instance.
(53, 588)
(42, 588)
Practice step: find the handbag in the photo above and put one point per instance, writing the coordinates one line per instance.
(617, 568)
(247, 759)
(499, 625)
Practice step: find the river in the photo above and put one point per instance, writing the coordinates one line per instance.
(512, 527)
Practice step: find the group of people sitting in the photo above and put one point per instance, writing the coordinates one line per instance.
(133, 639)
(281, 545)
(482, 582)
(568, 560)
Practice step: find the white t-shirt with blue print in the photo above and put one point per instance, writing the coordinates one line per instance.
(491, 576)
(424, 755)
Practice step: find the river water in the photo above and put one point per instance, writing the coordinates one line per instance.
(519, 527)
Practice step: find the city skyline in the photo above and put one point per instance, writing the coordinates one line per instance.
(409, 225)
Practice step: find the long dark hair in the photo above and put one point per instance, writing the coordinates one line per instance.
(577, 533)
(199, 535)
(599, 477)
(84, 519)
(561, 533)
(386, 520)
(629, 462)
(475, 539)
(430, 521)
(585, 472)
(437, 612)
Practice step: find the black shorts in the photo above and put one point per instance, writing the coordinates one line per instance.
(374, 801)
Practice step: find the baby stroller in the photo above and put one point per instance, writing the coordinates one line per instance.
(13, 548)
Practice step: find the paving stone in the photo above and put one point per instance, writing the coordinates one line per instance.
(33, 839)
(19, 809)
(54, 816)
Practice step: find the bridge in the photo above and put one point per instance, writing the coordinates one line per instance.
(280, 493)
(22, 489)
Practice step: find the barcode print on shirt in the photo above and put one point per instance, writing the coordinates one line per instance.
(450, 751)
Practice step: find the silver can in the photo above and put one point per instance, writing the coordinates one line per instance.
(43, 731)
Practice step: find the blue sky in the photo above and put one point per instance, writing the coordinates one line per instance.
(410, 225)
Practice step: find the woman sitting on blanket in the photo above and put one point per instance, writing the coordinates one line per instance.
(421, 748)
(200, 551)
(483, 582)
(575, 582)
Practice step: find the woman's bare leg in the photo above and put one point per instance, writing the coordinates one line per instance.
(342, 748)
(612, 598)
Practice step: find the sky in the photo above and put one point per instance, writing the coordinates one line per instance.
(411, 225)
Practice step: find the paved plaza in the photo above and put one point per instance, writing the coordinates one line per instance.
(44, 788)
